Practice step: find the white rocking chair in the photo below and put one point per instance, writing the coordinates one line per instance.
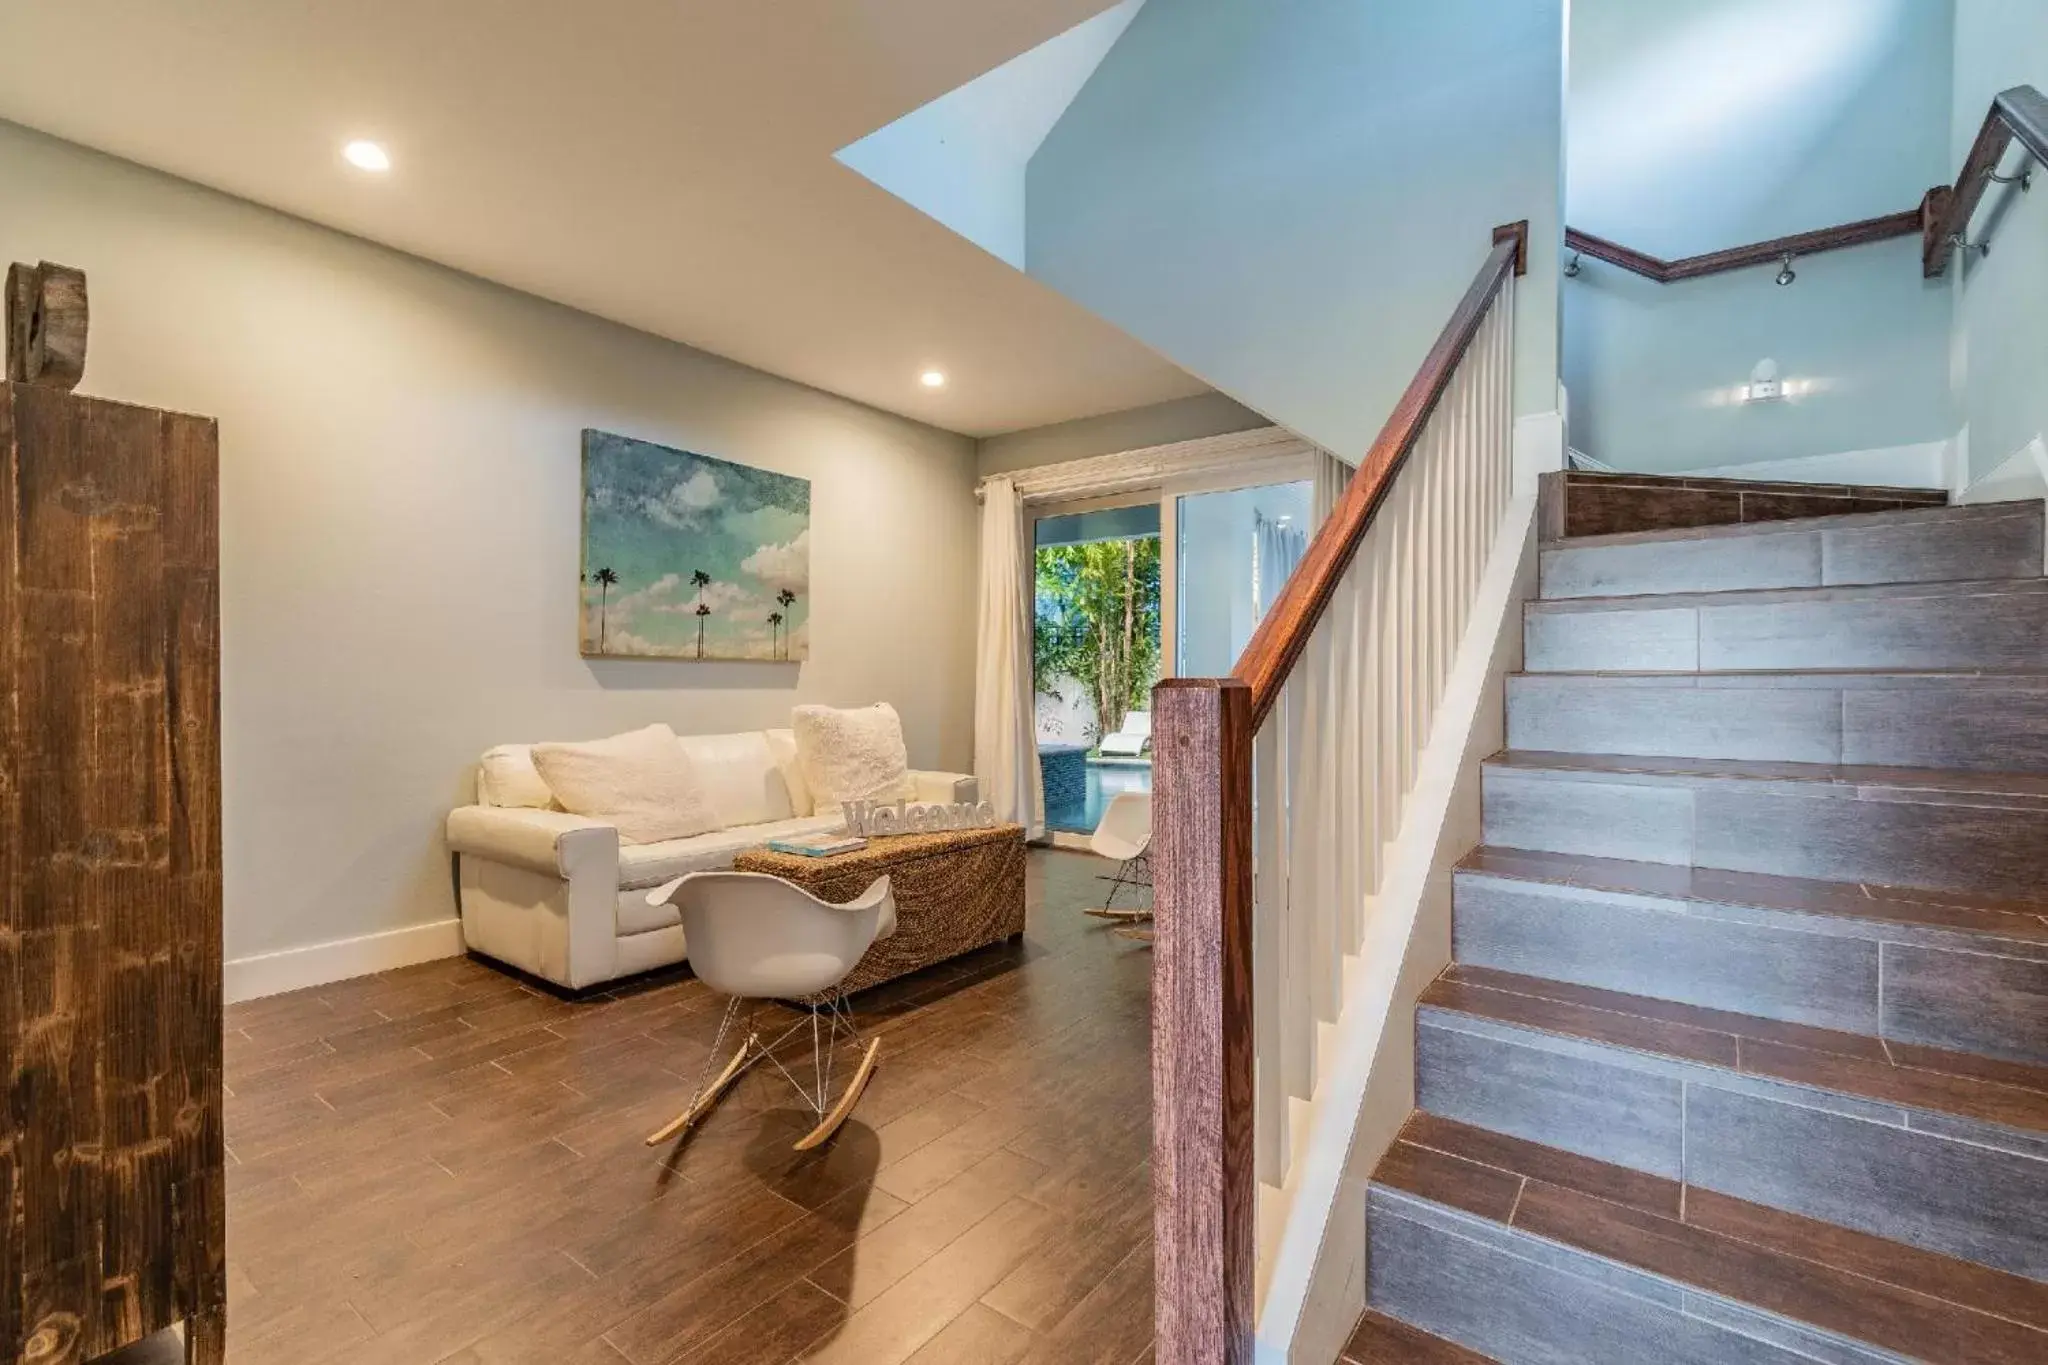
(755, 937)
(1125, 835)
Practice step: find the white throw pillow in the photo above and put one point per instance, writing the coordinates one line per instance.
(506, 776)
(739, 777)
(782, 744)
(854, 755)
(642, 782)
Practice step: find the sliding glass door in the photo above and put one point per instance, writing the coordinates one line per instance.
(1232, 549)
(1096, 645)
(1167, 581)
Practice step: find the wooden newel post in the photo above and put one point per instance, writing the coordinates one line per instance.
(1204, 1198)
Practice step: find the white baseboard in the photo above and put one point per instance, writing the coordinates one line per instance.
(1923, 465)
(250, 978)
(1365, 1085)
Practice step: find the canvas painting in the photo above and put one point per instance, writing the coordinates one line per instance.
(690, 557)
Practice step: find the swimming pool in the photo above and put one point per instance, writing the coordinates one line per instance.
(1104, 780)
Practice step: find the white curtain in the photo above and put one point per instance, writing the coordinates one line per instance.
(1332, 476)
(1005, 738)
(1278, 547)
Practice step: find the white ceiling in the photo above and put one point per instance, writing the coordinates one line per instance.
(664, 163)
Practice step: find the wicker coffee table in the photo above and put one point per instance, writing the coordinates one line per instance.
(955, 892)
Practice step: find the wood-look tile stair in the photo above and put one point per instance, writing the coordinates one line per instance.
(1743, 1055)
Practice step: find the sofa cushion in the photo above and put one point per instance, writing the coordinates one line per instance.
(642, 782)
(636, 916)
(782, 743)
(642, 866)
(739, 777)
(506, 777)
(852, 755)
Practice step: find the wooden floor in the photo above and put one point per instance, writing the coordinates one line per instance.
(443, 1166)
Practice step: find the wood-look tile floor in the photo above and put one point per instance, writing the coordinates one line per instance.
(443, 1166)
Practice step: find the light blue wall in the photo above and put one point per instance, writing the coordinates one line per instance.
(1288, 200)
(2001, 350)
(961, 158)
(1720, 122)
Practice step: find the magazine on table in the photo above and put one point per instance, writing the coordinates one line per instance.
(818, 845)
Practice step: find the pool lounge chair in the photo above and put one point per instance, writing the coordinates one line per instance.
(1132, 740)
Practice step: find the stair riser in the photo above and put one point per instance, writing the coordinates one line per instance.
(1889, 837)
(1966, 544)
(1969, 993)
(1963, 723)
(1954, 1186)
(1981, 630)
(1614, 504)
(1517, 1297)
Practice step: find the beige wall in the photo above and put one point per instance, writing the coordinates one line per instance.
(399, 539)
(1180, 419)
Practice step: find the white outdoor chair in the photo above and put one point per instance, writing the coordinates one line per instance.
(1125, 834)
(754, 937)
(1132, 739)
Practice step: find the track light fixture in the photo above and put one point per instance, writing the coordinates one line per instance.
(1785, 273)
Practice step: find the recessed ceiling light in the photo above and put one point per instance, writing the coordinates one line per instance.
(933, 379)
(365, 155)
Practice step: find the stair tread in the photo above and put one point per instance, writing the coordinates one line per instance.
(2011, 1095)
(2020, 788)
(1952, 911)
(1871, 1289)
(1381, 1340)
(1906, 516)
(1847, 592)
(1795, 524)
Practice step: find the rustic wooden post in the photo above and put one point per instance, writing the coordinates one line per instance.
(1204, 1198)
(110, 879)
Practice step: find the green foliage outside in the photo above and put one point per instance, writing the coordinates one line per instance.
(1097, 620)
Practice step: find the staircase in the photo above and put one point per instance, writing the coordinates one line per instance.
(1743, 1055)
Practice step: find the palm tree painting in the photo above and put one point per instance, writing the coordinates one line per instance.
(687, 556)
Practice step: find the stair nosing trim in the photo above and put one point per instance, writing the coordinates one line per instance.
(1452, 1221)
(1738, 597)
(1912, 790)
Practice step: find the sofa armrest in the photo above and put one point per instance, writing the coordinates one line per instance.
(551, 842)
(941, 789)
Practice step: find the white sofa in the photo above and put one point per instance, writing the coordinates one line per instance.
(563, 898)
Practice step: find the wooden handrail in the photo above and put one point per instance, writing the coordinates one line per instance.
(1903, 224)
(2019, 114)
(1284, 632)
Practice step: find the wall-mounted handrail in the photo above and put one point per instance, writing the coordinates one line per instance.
(1941, 220)
(1281, 636)
(1205, 1037)
(1906, 223)
(2017, 115)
